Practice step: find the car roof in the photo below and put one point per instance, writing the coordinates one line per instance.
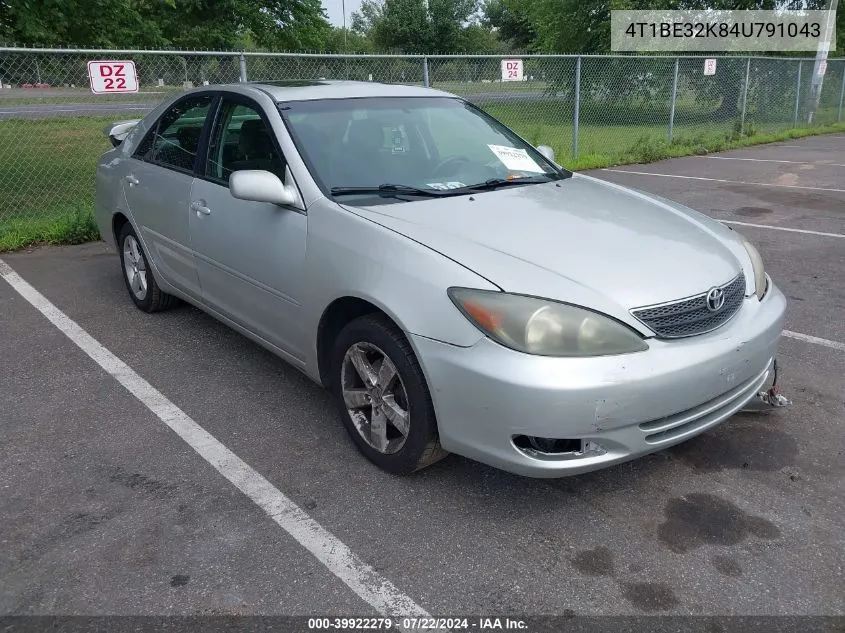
(327, 89)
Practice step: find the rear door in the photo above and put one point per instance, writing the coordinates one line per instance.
(250, 255)
(158, 189)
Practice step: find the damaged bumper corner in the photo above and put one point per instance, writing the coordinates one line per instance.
(769, 399)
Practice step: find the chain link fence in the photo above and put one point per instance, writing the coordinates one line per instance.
(588, 108)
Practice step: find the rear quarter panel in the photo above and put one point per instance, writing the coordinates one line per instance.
(109, 198)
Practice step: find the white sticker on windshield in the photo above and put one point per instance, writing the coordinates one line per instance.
(515, 159)
(445, 185)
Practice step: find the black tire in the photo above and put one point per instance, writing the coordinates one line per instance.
(155, 298)
(422, 444)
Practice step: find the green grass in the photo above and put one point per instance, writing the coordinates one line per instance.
(47, 166)
(73, 224)
(644, 136)
(47, 179)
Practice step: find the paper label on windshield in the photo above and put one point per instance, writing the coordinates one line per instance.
(515, 159)
(445, 185)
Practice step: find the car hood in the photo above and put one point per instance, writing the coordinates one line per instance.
(606, 241)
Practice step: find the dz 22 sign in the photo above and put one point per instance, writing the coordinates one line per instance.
(109, 77)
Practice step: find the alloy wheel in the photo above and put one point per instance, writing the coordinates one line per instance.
(135, 267)
(375, 397)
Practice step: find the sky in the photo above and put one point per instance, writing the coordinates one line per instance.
(335, 12)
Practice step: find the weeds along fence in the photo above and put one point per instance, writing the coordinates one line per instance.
(590, 109)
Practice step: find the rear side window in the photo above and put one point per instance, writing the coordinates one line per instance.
(174, 140)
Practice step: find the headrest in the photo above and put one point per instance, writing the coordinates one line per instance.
(254, 139)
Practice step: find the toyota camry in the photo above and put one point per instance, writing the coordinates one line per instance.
(451, 286)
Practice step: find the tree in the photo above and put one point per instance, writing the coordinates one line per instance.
(513, 28)
(349, 41)
(189, 24)
(417, 26)
(288, 24)
(479, 38)
(111, 23)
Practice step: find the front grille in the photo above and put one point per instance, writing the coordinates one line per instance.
(691, 316)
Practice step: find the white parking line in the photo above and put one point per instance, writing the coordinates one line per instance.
(732, 182)
(815, 339)
(361, 578)
(782, 228)
(771, 160)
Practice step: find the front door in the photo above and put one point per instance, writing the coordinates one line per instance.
(249, 255)
(158, 189)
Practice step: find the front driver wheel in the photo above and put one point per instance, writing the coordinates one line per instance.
(382, 396)
(139, 278)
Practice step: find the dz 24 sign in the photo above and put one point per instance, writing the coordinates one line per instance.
(110, 77)
(512, 70)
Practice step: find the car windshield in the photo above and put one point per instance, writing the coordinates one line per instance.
(407, 148)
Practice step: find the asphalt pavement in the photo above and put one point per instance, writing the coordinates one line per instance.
(105, 510)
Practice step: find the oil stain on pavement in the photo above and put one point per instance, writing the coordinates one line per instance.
(594, 562)
(649, 596)
(644, 596)
(726, 566)
(704, 519)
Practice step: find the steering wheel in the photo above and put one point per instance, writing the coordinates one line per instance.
(448, 161)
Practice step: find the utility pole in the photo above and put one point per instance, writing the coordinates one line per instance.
(817, 80)
(343, 6)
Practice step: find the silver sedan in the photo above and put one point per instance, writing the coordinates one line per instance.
(451, 286)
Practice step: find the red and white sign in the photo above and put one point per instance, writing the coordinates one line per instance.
(512, 70)
(110, 77)
(709, 66)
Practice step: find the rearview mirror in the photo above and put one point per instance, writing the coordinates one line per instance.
(258, 185)
(547, 152)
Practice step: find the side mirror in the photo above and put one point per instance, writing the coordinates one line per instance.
(258, 185)
(547, 152)
(118, 131)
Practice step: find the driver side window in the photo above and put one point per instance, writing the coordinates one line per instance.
(241, 139)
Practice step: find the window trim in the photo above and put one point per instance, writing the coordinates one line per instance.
(153, 131)
(205, 141)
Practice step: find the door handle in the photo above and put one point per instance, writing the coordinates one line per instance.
(199, 207)
(132, 180)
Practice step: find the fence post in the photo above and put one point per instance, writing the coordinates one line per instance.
(674, 97)
(745, 96)
(576, 116)
(797, 95)
(841, 94)
(426, 81)
(243, 78)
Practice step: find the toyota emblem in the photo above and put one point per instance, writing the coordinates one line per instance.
(715, 299)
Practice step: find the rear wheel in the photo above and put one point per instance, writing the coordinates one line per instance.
(139, 278)
(382, 396)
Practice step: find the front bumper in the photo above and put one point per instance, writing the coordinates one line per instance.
(620, 407)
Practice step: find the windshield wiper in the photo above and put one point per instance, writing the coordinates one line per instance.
(495, 183)
(389, 190)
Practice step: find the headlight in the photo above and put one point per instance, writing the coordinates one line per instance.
(544, 327)
(757, 266)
